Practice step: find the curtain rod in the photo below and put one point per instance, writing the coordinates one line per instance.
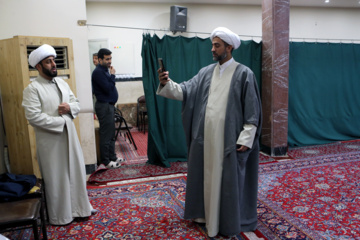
(163, 30)
(325, 39)
(250, 36)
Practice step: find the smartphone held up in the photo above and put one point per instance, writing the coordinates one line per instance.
(161, 65)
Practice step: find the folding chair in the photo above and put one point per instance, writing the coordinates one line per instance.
(123, 126)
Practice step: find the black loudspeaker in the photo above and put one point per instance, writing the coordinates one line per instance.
(178, 16)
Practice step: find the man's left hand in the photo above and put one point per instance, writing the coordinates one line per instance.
(112, 70)
(241, 148)
(64, 108)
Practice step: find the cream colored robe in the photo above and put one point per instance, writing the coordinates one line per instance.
(59, 152)
(214, 136)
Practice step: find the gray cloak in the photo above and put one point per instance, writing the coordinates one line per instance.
(239, 185)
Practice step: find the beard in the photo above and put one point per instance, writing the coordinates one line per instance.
(105, 64)
(49, 73)
(220, 57)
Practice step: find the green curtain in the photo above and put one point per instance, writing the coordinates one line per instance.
(183, 57)
(324, 93)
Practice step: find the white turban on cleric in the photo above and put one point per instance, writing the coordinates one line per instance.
(41, 53)
(227, 36)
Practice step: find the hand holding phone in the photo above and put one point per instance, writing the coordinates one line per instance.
(163, 77)
(161, 65)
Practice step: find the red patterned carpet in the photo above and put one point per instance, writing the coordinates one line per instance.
(126, 150)
(313, 193)
(145, 209)
(308, 198)
(311, 198)
(314, 151)
(135, 165)
(136, 171)
(324, 149)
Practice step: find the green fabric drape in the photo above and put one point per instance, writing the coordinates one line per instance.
(183, 57)
(324, 93)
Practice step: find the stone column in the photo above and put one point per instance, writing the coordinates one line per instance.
(275, 72)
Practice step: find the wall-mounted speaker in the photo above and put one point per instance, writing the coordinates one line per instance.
(178, 17)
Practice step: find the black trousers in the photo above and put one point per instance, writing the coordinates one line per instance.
(105, 114)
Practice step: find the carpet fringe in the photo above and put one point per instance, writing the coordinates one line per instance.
(146, 179)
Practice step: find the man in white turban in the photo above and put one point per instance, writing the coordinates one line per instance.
(222, 121)
(227, 36)
(50, 107)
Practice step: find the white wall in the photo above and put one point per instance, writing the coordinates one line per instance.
(131, 20)
(57, 18)
(325, 24)
(140, 17)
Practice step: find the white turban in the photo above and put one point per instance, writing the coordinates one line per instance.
(227, 36)
(41, 53)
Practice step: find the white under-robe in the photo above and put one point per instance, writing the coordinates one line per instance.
(214, 136)
(59, 153)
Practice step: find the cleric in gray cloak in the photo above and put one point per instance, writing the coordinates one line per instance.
(221, 114)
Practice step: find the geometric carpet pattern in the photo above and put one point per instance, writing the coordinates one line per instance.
(128, 172)
(135, 165)
(126, 150)
(324, 149)
(146, 210)
(307, 198)
(313, 151)
(311, 198)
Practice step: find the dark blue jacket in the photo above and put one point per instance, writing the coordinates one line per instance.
(13, 186)
(103, 84)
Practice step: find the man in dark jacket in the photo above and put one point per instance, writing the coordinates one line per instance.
(104, 89)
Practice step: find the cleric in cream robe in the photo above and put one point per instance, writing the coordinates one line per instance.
(221, 114)
(50, 107)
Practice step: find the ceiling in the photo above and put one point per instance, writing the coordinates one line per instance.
(304, 3)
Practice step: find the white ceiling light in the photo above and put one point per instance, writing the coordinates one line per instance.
(327, 1)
